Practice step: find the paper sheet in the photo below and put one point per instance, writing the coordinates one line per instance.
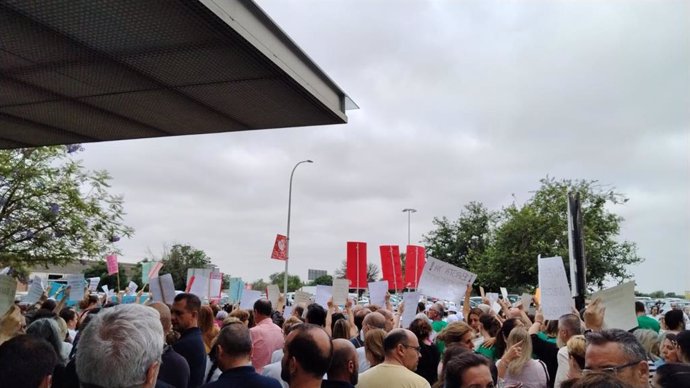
(302, 297)
(76, 282)
(323, 293)
(248, 299)
(273, 293)
(35, 291)
(377, 293)
(620, 306)
(504, 294)
(553, 284)
(444, 281)
(8, 289)
(410, 299)
(93, 284)
(340, 291)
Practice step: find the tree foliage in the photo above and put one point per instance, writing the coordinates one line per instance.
(325, 280)
(504, 252)
(294, 282)
(52, 210)
(99, 269)
(178, 259)
(372, 271)
(259, 285)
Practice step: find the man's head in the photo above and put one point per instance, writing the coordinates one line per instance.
(185, 312)
(639, 308)
(402, 346)
(674, 320)
(373, 321)
(344, 366)
(121, 347)
(617, 351)
(568, 326)
(390, 319)
(468, 370)
(359, 317)
(262, 309)
(27, 362)
(435, 312)
(164, 312)
(234, 346)
(316, 315)
(683, 341)
(307, 354)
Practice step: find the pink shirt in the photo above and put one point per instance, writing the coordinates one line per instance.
(266, 338)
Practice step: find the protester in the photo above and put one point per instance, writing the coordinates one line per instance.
(683, 341)
(208, 328)
(457, 333)
(597, 380)
(71, 319)
(47, 329)
(576, 356)
(468, 370)
(26, 362)
(242, 315)
(174, 369)
(316, 315)
(234, 347)
(372, 320)
(489, 328)
(435, 314)
(669, 349)
(343, 372)
(672, 376)
(430, 357)
(307, 356)
(453, 351)
(373, 347)
(517, 367)
(185, 320)
(674, 321)
(643, 320)
(121, 347)
(274, 368)
(619, 352)
(568, 326)
(397, 370)
(266, 335)
(649, 339)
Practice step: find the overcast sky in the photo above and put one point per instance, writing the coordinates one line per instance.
(460, 101)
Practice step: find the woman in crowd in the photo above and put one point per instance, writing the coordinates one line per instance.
(341, 329)
(458, 333)
(373, 346)
(516, 366)
(207, 325)
(430, 356)
(669, 350)
(502, 336)
(576, 355)
(490, 327)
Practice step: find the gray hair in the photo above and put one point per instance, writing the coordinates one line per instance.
(47, 328)
(632, 348)
(119, 345)
(571, 323)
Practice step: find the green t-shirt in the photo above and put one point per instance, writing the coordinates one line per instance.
(489, 353)
(645, 322)
(437, 326)
(546, 338)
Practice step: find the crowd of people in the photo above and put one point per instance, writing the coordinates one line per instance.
(189, 345)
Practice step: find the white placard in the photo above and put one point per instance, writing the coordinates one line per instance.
(8, 289)
(323, 293)
(132, 288)
(155, 290)
(248, 299)
(410, 299)
(620, 306)
(504, 294)
(493, 301)
(287, 311)
(526, 301)
(106, 292)
(444, 281)
(273, 293)
(377, 293)
(302, 297)
(93, 284)
(340, 291)
(35, 291)
(76, 282)
(215, 284)
(200, 284)
(167, 288)
(555, 292)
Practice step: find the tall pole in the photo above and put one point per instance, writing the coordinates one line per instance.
(287, 237)
(409, 213)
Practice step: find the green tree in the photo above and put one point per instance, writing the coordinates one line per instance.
(294, 282)
(178, 259)
(260, 285)
(325, 280)
(226, 282)
(372, 271)
(53, 210)
(99, 269)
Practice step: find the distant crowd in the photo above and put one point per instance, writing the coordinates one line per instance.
(188, 344)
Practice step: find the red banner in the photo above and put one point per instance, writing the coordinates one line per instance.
(280, 248)
(111, 263)
(414, 264)
(357, 264)
(390, 266)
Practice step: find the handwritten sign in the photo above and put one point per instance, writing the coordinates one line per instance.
(445, 281)
(620, 306)
(132, 288)
(248, 299)
(410, 300)
(553, 285)
(377, 293)
(273, 293)
(35, 291)
(340, 291)
(8, 288)
(111, 263)
(76, 284)
(302, 297)
(323, 293)
(93, 284)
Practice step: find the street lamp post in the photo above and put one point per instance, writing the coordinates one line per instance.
(287, 237)
(409, 212)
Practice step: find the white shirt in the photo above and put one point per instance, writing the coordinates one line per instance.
(563, 367)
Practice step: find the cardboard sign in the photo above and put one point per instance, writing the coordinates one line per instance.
(248, 299)
(76, 284)
(162, 289)
(111, 263)
(323, 293)
(340, 291)
(302, 297)
(8, 288)
(198, 280)
(93, 284)
(410, 299)
(35, 291)
(553, 285)
(620, 306)
(444, 281)
(273, 293)
(377, 293)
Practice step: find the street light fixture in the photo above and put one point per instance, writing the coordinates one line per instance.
(409, 212)
(287, 237)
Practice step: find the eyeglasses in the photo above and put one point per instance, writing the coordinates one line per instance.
(610, 370)
(417, 348)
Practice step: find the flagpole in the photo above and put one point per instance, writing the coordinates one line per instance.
(287, 236)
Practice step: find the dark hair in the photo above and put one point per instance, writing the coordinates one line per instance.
(192, 302)
(277, 318)
(235, 340)
(421, 328)
(25, 360)
(673, 375)
(458, 365)
(307, 352)
(674, 320)
(49, 304)
(502, 336)
(394, 338)
(263, 307)
(359, 318)
(420, 307)
(632, 348)
(43, 313)
(299, 310)
(68, 314)
(341, 329)
(490, 324)
(639, 307)
(600, 380)
(452, 351)
(552, 328)
(334, 318)
(316, 315)
(571, 323)
(683, 341)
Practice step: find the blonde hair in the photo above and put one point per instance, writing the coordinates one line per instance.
(516, 335)
(650, 342)
(454, 332)
(576, 349)
(373, 345)
(10, 323)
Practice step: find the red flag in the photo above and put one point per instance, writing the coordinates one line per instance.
(414, 264)
(390, 266)
(111, 262)
(280, 248)
(357, 264)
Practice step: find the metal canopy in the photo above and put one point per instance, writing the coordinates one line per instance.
(74, 71)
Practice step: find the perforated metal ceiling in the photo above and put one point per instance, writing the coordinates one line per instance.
(93, 70)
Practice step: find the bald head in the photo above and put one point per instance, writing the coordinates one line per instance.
(390, 321)
(344, 366)
(308, 352)
(374, 320)
(164, 312)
